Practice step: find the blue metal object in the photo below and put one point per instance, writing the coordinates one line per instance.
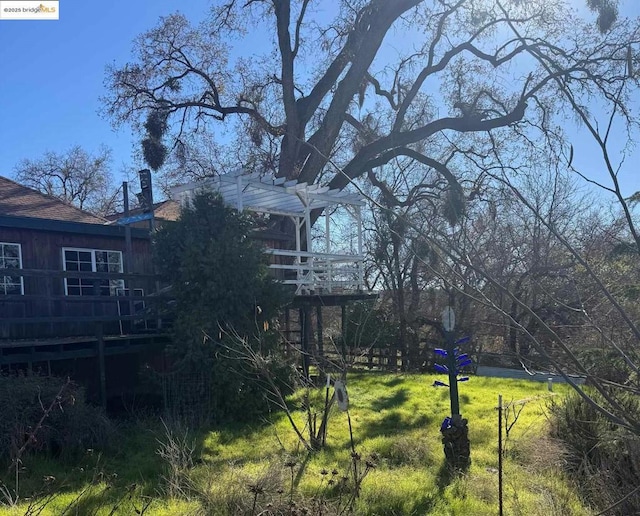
(456, 361)
(445, 424)
(134, 218)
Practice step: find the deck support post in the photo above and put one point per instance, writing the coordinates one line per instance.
(320, 330)
(102, 373)
(305, 338)
(287, 324)
(101, 365)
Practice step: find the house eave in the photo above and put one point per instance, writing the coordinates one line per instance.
(63, 226)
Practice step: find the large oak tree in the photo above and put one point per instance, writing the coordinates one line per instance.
(327, 94)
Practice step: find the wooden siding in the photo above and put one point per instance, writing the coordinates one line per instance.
(44, 311)
(42, 249)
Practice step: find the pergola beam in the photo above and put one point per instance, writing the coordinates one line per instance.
(286, 197)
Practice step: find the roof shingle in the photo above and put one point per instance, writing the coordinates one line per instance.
(19, 201)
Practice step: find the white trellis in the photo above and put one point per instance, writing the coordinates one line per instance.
(309, 271)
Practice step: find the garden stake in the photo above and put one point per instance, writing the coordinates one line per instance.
(353, 451)
(500, 453)
(325, 416)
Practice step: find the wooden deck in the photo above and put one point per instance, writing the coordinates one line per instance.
(44, 325)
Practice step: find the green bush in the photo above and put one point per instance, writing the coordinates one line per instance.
(222, 387)
(47, 414)
(603, 457)
(369, 325)
(225, 304)
(605, 364)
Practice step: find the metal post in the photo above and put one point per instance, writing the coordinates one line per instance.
(453, 377)
(500, 454)
(325, 414)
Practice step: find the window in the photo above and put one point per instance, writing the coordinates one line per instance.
(10, 260)
(91, 260)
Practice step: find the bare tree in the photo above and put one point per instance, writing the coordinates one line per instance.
(75, 177)
(577, 303)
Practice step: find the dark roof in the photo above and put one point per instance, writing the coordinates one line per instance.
(164, 210)
(65, 226)
(19, 201)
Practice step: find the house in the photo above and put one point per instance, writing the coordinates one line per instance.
(73, 286)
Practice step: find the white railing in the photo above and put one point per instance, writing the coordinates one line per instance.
(320, 272)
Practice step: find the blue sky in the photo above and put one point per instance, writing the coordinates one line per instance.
(52, 72)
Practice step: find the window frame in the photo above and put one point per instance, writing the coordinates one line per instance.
(112, 288)
(3, 285)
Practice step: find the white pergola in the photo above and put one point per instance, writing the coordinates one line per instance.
(315, 272)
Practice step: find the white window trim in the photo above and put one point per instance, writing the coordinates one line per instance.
(20, 261)
(93, 262)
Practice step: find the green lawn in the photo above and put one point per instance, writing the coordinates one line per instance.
(395, 421)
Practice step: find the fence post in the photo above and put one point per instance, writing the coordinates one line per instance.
(500, 454)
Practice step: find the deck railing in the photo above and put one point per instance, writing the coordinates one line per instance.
(44, 311)
(319, 272)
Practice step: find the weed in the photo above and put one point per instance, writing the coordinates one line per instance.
(177, 451)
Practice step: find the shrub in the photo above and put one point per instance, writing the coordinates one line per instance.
(604, 364)
(603, 457)
(70, 426)
(224, 297)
